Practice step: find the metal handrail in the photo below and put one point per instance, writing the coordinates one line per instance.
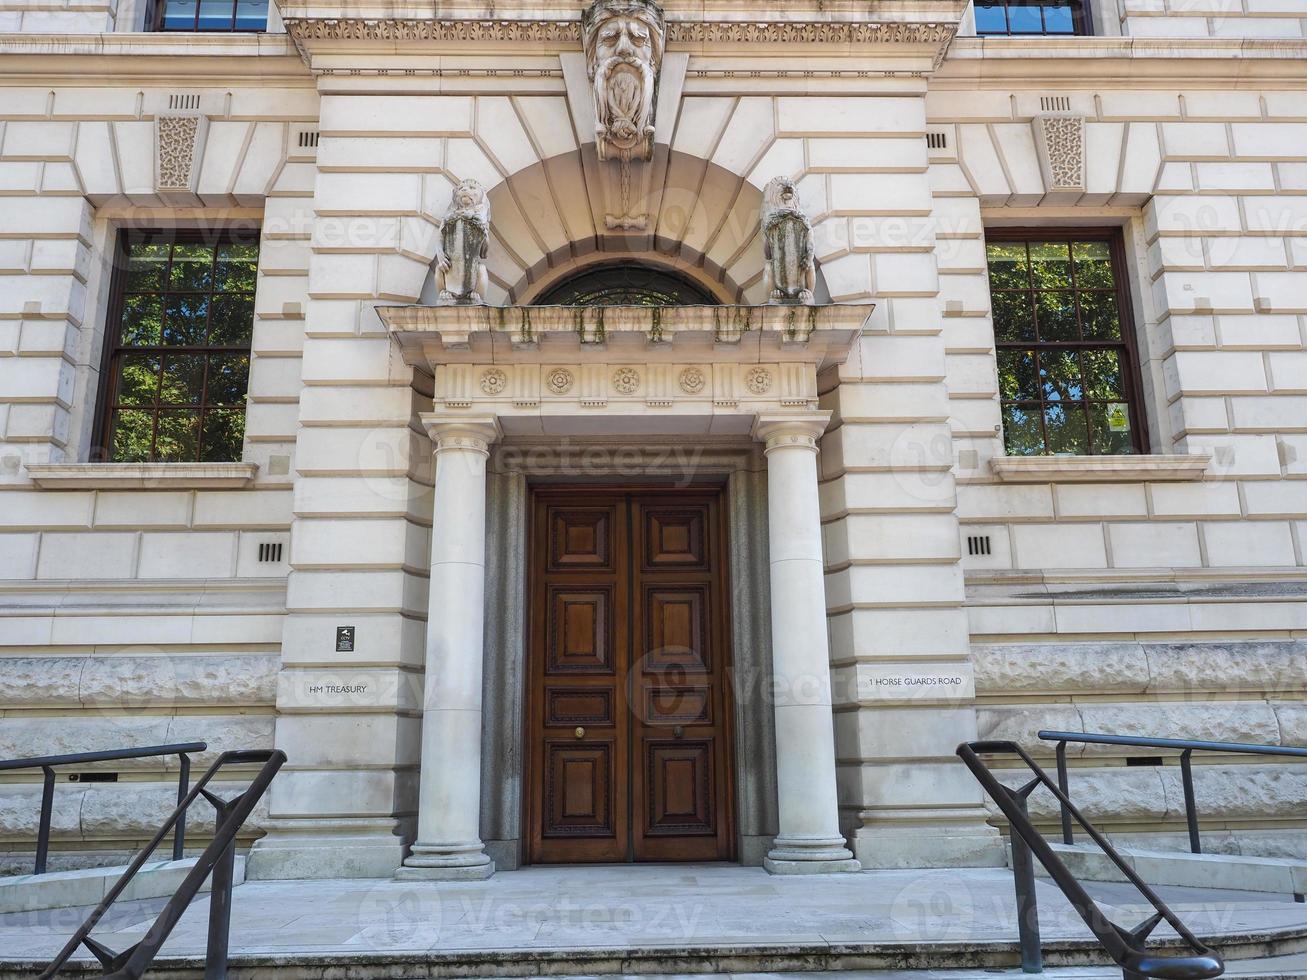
(219, 858)
(47, 764)
(1127, 947)
(1185, 746)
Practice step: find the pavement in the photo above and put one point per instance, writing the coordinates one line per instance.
(541, 913)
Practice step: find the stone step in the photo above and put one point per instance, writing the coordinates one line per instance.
(86, 886)
(1229, 872)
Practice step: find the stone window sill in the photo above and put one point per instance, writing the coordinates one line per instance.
(1099, 469)
(142, 476)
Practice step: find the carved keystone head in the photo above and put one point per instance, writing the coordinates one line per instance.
(630, 30)
(623, 42)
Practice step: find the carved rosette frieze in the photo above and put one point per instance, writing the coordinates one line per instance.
(178, 148)
(597, 386)
(1060, 145)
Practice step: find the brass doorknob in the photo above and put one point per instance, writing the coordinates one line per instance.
(678, 731)
(579, 732)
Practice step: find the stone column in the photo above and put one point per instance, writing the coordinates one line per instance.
(809, 841)
(448, 842)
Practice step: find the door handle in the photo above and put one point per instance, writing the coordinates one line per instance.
(678, 732)
(579, 732)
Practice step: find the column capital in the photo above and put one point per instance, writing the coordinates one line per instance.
(777, 429)
(451, 431)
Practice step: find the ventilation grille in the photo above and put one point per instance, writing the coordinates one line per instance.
(93, 777)
(937, 141)
(978, 544)
(184, 100)
(270, 551)
(308, 138)
(1055, 103)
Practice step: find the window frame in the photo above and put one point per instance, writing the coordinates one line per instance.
(1082, 21)
(158, 8)
(106, 396)
(1131, 372)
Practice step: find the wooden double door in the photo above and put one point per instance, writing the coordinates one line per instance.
(628, 728)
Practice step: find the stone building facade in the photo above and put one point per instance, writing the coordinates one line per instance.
(262, 481)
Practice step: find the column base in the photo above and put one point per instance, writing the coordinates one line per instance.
(816, 856)
(446, 862)
(325, 851)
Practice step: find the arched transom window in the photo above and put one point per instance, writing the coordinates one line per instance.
(626, 284)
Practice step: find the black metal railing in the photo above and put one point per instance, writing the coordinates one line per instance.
(218, 859)
(48, 763)
(1185, 746)
(1126, 946)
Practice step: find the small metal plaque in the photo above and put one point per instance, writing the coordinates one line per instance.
(344, 639)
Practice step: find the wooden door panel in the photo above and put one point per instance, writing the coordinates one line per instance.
(628, 741)
(580, 630)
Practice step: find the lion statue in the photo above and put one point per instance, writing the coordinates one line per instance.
(462, 247)
(787, 244)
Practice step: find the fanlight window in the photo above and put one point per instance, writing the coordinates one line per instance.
(626, 284)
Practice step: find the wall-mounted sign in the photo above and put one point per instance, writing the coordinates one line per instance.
(344, 639)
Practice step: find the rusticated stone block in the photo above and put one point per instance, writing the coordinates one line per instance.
(20, 811)
(1292, 716)
(233, 679)
(115, 728)
(1263, 666)
(27, 681)
(1228, 721)
(223, 733)
(1059, 667)
(1022, 723)
(135, 809)
(1103, 795)
(1245, 792)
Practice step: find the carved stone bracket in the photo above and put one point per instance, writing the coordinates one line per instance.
(178, 151)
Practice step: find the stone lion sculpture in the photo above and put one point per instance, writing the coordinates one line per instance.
(463, 245)
(623, 41)
(787, 244)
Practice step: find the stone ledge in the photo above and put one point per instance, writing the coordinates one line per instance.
(66, 889)
(142, 476)
(1099, 469)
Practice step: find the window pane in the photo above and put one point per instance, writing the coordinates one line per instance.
(1008, 268)
(142, 321)
(1065, 425)
(224, 432)
(146, 266)
(235, 268)
(183, 380)
(130, 441)
(185, 323)
(177, 439)
(1025, 19)
(1110, 425)
(192, 268)
(1050, 265)
(252, 15)
(179, 15)
(232, 321)
(229, 378)
(1013, 318)
(215, 15)
(991, 18)
(1099, 316)
(138, 379)
(1058, 20)
(1059, 376)
(1102, 374)
(1056, 313)
(1016, 375)
(1093, 265)
(1022, 435)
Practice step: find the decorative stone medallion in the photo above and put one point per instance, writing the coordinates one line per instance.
(494, 381)
(758, 380)
(692, 381)
(559, 381)
(626, 380)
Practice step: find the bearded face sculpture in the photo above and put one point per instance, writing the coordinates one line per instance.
(787, 247)
(464, 243)
(624, 53)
